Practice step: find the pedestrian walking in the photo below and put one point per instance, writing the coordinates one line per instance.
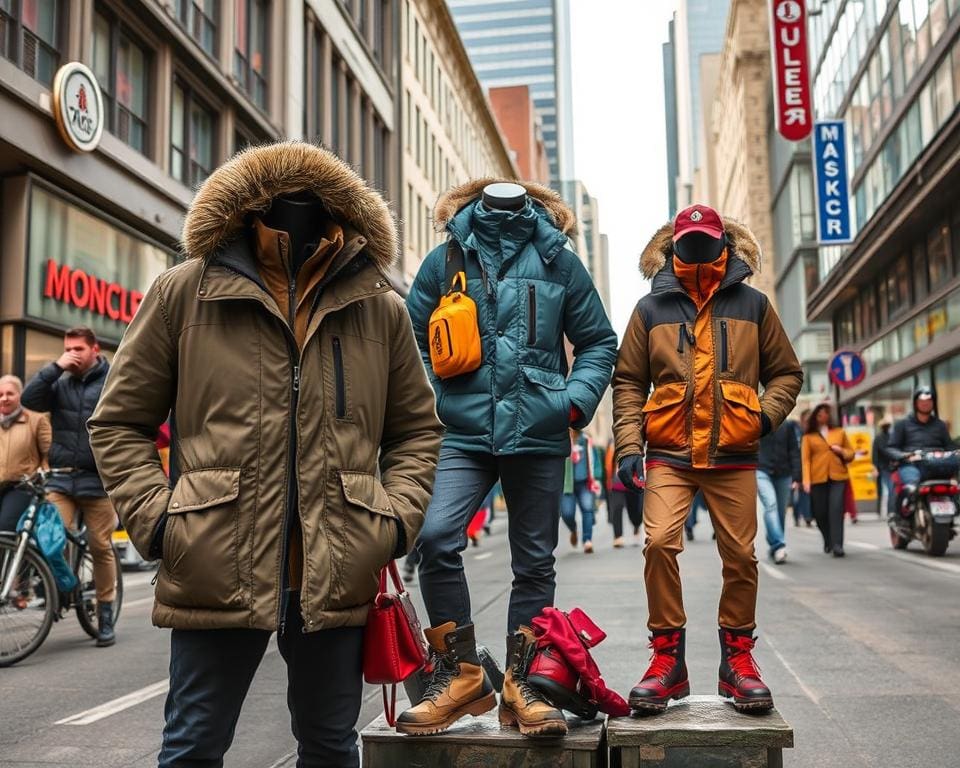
(620, 498)
(580, 489)
(704, 341)
(305, 438)
(690, 523)
(778, 473)
(68, 389)
(881, 465)
(507, 416)
(25, 437)
(826, 451)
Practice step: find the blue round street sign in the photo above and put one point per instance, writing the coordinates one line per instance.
(847, 368)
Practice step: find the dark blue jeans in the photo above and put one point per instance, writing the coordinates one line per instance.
(583, 497)
(532, 485)
(211, 671)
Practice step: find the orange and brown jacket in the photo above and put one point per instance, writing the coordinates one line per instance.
(704, 341)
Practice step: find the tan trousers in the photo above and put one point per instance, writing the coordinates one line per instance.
(731, 497)
(101, 521)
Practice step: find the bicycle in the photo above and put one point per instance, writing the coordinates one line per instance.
(29, 599)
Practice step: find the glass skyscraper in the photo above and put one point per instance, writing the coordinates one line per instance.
(526, 42)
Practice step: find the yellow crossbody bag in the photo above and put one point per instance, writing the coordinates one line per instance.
(454, 331)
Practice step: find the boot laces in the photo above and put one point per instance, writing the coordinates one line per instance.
(444, 670)
(740, 658)
(662, 661)
(520, 667)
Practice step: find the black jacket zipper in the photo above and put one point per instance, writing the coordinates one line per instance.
(682, 328)
(293, 493)
(338, 374)
(531, 315)
(724, 362)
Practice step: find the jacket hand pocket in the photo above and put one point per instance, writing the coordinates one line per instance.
(740, 424)
(364, 541)
(665, 417)
(544, 404)
(201, 563)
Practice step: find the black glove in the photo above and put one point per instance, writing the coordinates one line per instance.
(765, 425)
(630, 472)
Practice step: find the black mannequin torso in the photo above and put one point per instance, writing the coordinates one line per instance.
(698, 248)
(302, 217)
(504, 196)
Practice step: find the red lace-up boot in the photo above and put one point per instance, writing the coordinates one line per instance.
(739, 673)
(666, 677)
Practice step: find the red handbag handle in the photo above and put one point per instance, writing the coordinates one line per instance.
(390, 709)
(394, 575)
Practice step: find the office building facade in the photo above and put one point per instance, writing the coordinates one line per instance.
(526, 42)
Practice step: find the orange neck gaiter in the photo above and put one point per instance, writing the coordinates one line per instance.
(701, 281)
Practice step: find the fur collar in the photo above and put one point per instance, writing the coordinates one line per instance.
(660, 248)
(451, 202)
(249, 181)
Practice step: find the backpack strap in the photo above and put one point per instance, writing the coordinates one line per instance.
(455, 267)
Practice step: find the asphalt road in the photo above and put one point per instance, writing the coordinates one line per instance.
(862, 654)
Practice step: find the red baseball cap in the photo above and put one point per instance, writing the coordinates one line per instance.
(697, 218)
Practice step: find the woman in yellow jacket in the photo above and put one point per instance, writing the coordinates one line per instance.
(825, 453)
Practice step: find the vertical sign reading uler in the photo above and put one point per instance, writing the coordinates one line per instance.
(791, 68)
(833, 194)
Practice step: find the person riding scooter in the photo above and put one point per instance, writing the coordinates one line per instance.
(921, 431)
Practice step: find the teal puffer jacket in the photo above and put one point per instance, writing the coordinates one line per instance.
(530, 290)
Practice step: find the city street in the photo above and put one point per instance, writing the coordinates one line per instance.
(861, 653)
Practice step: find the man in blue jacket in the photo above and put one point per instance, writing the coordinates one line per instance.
(509, 419)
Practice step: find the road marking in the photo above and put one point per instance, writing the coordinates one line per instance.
(122, 703)
(117, 705)
(862, 545)
(807, 690)
(483, 556)
(924, 561)
(285, 759)
(773, 572)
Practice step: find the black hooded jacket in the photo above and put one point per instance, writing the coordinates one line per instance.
(70, 401)
(780, 452)
(911, 434)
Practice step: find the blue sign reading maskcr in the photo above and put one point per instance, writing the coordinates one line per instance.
(833, 189)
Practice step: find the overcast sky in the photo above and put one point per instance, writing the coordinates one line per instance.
(619, 135)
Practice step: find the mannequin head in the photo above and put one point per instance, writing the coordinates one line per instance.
(698, 236)
(301, 215)
(504, 196)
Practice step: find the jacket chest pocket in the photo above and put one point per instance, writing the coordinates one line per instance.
(201, 557)
(739, 418)
(543, 310)
(665, 418)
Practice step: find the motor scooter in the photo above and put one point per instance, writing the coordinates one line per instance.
(928, 511)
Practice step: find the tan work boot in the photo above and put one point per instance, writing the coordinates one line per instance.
(520, 705)
(457, 688)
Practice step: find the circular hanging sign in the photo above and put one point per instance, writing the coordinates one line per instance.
(847, 368)
(78, 107)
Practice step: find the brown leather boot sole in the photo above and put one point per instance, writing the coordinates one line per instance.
(550, 729)
(475, 708)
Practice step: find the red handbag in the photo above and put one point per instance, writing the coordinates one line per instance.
(393, 644)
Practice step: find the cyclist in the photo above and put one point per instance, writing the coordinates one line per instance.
(24, 444)
(922, 430)
(69, 389)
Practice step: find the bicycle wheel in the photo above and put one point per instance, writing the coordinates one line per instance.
(27, 613)
(85, 595)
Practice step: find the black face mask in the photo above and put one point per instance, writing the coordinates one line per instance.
(698, 248)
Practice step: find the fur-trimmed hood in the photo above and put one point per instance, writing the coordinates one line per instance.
(249, 182)
(743, 244)
(453, 201)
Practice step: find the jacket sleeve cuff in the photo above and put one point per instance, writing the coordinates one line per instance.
(765, 424)
(582, 404)
(401, 549)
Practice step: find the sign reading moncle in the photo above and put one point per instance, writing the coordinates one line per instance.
(78, 107)
(791, 69)
(833, 194)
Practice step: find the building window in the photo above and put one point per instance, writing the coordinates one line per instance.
(335, 106)
(30, 36)
(381, 146)
(938, 255)
(381, 31)
(191, 137)
(920, 286)
(314, 83)
(250, 52)
(199, 18)
(122, 66)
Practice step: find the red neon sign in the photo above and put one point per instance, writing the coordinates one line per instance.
(76, 288)
(791, 68)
